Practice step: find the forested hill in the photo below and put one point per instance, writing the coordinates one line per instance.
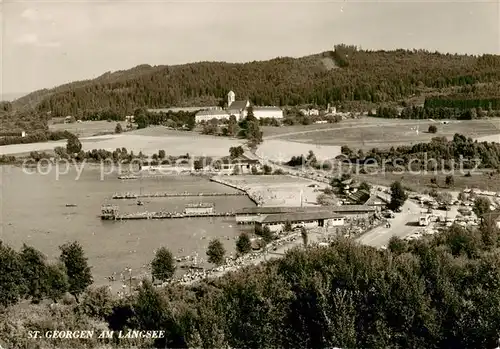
(345, 74)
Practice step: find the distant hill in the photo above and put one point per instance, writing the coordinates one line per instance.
(342, 75)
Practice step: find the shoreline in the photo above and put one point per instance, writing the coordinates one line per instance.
(256, 200)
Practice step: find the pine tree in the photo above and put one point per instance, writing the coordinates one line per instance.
(243, 244)
(216, 252)
(77, 269)
(163, 265)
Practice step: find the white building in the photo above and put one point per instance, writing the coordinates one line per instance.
(276, 222)
(267, 112)
(239, 109)
(207, 115)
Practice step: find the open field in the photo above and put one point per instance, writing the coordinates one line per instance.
(152, 139)
(420, 182)
(87, 128)
(367, 133)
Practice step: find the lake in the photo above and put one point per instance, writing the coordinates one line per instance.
(33, 211)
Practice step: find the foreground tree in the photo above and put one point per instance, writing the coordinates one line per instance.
(163, 265)
(398, 196)
(77, 269)
(57, 281)
(11, 276)
(267, 235)
(232, 126)
(216, 252)
(481, 207)
(243, 244)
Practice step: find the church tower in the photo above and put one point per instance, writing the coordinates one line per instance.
(230, 98)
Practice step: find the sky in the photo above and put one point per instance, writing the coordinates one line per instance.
(45, 44)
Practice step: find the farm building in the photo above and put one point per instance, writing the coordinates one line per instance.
(276, 222)
(268, 112)
(207, 115)
(200, 208)
(362, 197)
(377, 201)
(359, 197)
(239, 110)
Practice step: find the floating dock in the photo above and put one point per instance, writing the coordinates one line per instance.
(124, 196)
(127, 177)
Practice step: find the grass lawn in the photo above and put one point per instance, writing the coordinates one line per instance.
(87, 128)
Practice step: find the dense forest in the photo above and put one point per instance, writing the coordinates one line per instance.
(438, 292)
(359, 75)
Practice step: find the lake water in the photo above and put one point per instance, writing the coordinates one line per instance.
(33, 211)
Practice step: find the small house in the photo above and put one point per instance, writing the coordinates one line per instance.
(360, 197)
(377, 201)
(240, 165)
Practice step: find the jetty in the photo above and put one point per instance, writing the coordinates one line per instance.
(127, 177)
(110, 212)
(124, 196)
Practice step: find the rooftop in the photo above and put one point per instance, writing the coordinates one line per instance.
(299, 216)
(361, 196)
(352, 208)
(274, 210)
(376, 200)
(238, 105)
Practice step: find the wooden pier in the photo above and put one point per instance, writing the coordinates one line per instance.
(163, 215)
(109, 212)
(129, 196)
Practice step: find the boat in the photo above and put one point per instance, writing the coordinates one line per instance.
(70, 205)
(140, 203)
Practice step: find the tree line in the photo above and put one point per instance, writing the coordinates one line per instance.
(373, 76)
(447, 153)
(27, 274)
(424, 112)
(36, 137)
